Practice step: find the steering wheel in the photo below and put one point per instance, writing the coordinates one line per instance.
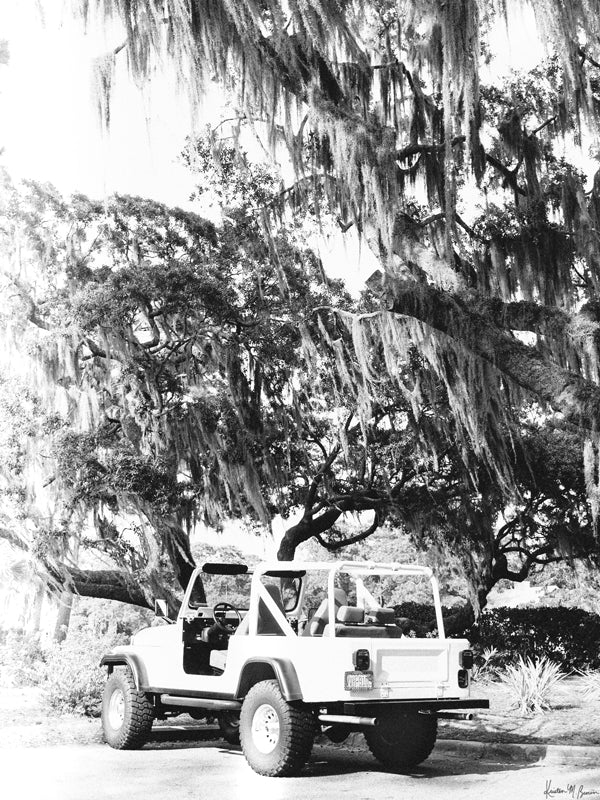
(219, 612)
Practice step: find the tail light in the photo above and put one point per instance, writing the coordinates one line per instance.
(466, 659)
(362, 660)
(463, 679)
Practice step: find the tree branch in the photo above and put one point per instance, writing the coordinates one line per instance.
(416, 149)
(337, 545)
(509, 174)
(107, 584)
(563, 390)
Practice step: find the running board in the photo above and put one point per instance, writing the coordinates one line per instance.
(200, 702)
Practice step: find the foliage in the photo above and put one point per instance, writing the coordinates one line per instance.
(419, 618)
(191, 370)
(22, 660)
(226, 375)
(68, 672)
(174, 357)
(591, 684)
(567, 636)
(532, 683)
(106, 618)
(378, 102)
(573, 586)
(487, 664)
(74, 679)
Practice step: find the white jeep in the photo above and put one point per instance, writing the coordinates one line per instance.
(314, 646)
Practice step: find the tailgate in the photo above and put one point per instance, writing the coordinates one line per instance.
(416, 662)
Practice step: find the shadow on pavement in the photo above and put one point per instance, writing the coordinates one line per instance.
(330, 761)
(178, 737)
(340, 762)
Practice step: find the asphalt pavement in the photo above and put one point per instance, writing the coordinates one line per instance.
(176, 768)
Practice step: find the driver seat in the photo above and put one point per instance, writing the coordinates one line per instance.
(267, 625)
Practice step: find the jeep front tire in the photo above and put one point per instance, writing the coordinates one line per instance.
(403, 742)
(127, 714)
(276, 736)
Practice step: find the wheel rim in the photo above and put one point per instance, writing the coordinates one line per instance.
(265, 728)
(116, 709)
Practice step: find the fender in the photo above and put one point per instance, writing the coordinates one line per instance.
(131, 660)
(262, 668)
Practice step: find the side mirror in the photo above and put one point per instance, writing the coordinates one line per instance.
(161, 608)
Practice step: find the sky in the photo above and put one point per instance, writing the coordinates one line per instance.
(49, 127)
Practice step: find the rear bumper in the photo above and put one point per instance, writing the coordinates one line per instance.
(378, 708)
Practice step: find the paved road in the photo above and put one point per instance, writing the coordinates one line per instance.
(211, 770)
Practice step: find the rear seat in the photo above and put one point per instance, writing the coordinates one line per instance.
(379, 624)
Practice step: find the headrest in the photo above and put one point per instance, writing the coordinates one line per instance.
(382, 616)
(350, 614)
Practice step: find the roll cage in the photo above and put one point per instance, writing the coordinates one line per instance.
(262, 596)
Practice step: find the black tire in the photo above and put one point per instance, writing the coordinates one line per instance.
(127, 714)
(277, 737)
(229, 723)
(403, 742)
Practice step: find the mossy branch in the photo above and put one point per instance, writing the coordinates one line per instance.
(565, 391)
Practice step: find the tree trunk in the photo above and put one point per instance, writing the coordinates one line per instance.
(305, 530)
(171, 537)
(109, 584)
(114, 584)
(36, 611)
(63, 619)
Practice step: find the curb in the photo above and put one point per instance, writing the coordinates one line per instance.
(575, 755)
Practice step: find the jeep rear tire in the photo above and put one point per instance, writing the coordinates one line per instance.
(277, 737)
(127, 714)
(403, 742)
(229, 723)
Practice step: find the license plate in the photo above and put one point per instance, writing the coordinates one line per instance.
(358, 681)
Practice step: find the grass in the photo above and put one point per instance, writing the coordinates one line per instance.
(571, 719)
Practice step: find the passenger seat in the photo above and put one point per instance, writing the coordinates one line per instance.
(316, 624)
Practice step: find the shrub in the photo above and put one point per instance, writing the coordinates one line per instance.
(74, 679)
(531, 682)
(568, 636)
(591, 684)
(487, 664)
(418, 617)
(69, 672)
(108, 618)
(22, 659)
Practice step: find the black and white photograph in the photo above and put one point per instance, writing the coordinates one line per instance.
(299, 399)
